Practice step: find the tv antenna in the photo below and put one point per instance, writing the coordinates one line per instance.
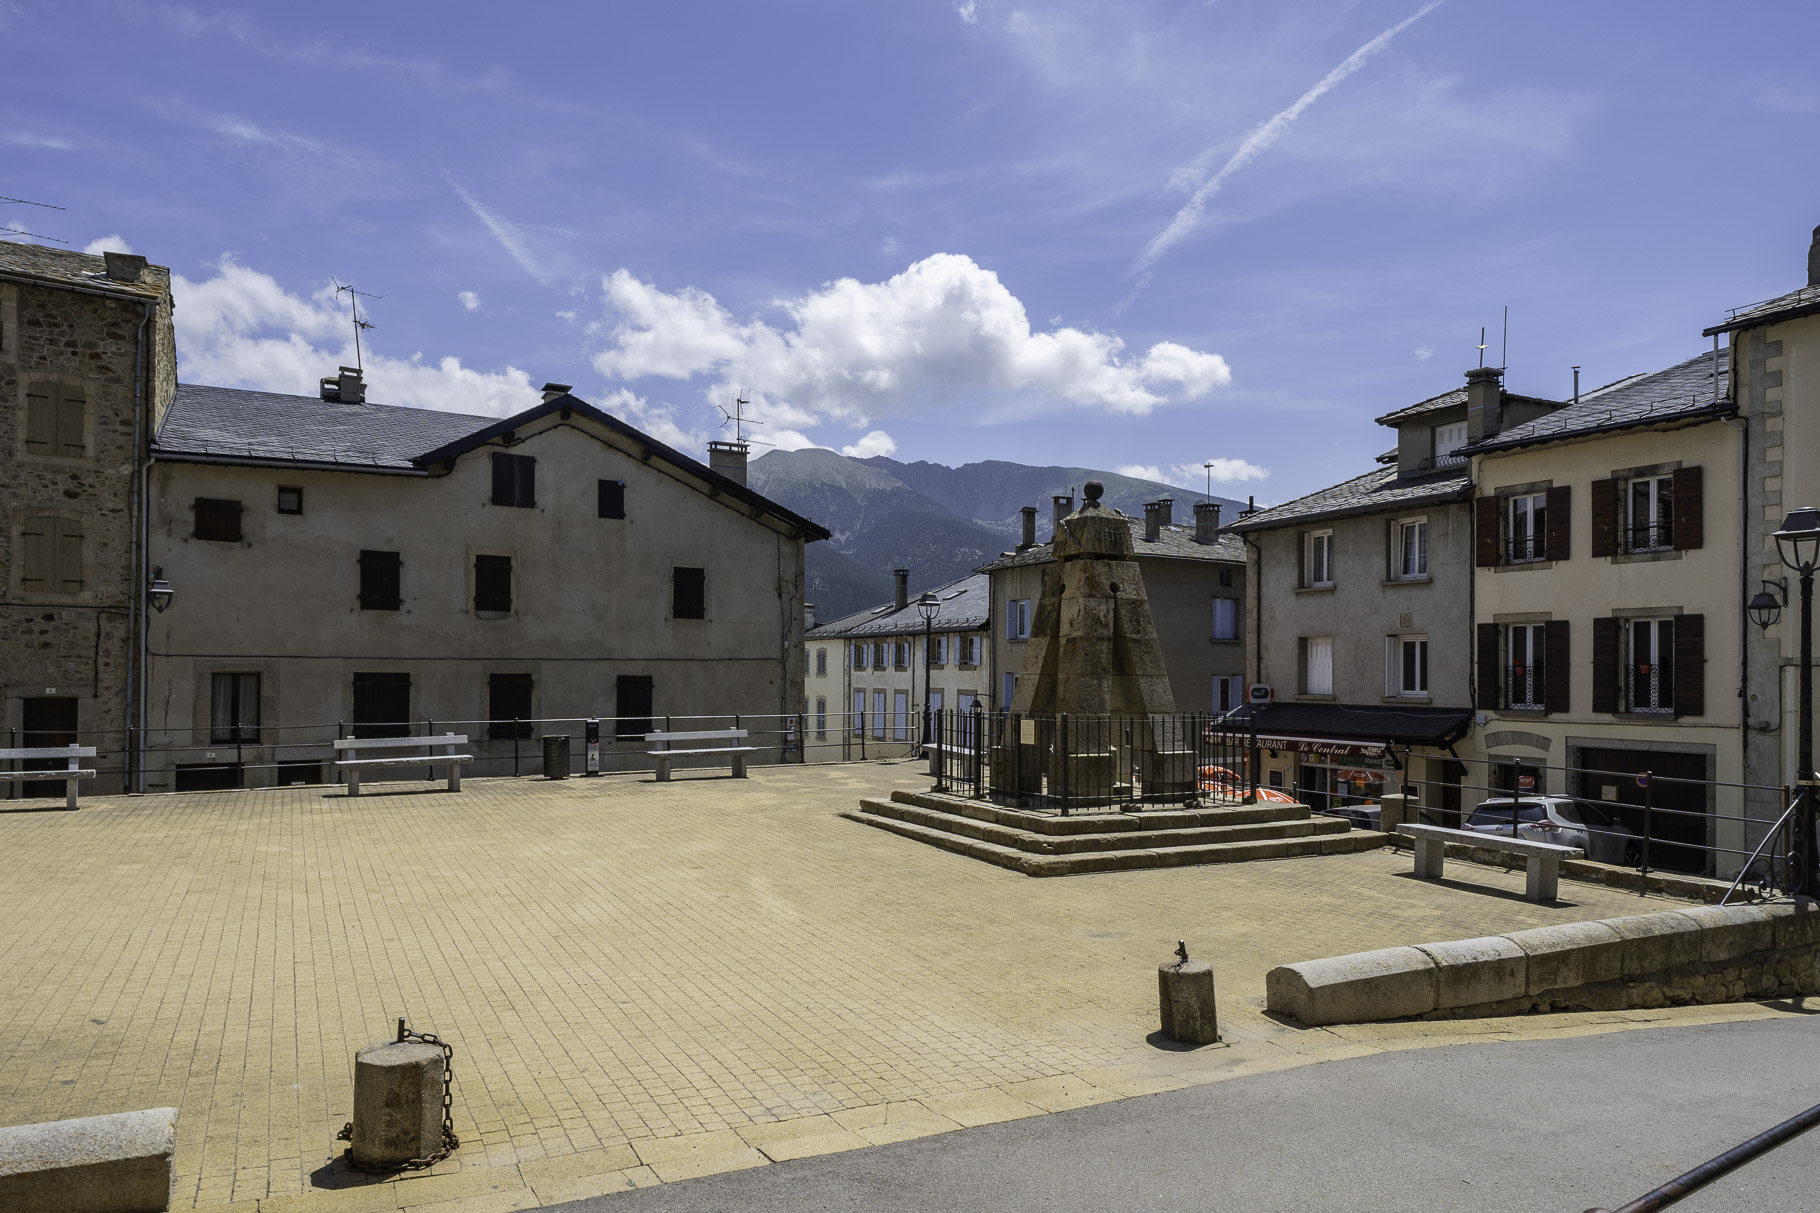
(1481, 347)
(19, 231)
(1209, 466)
(354, 314)
(738, 419)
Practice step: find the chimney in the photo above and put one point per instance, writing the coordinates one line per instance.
(1166, 506)
(903, 587)
(808, 616)
(729, 459)
(1813, 260)
(1063, 506)
(1251, 505)
(130, 267)
(1206, 521)
(1484, 402)
(552, 390)
(346, 387)
(1029, 540)
(1153, 515)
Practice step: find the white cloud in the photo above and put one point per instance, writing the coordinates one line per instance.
(107, 244)
(469, 300)
(944, 331)
(1229, 471)
(875, 443)
(1424, 353)
(240, 328)
(968, 10)
(1141, 471)
(510, 237)
(657, 420)
(1224, 471)
(29, 139)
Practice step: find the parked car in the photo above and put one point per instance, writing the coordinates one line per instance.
(1562, 820)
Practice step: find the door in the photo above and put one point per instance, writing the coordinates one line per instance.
(1453, 772)
(48, 722)
(382, 705)
(1678, 813)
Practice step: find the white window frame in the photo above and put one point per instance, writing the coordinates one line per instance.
(1017, 619)
(1644, 689)
(1658, 522)
(1317, 665)
(1399, 678)
(1525, 646)
(1411, 564)
(1526, 523)
(1317, 560)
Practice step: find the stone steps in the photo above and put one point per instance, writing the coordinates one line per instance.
(1106, 842)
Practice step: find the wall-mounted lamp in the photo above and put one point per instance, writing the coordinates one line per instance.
(159, 591)
(1766, 607)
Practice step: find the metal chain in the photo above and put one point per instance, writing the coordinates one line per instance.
(450, 1142)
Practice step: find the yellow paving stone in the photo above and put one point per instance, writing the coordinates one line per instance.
(783, 1140)
(573, 1166)
(697, 1154)
(881, 1124)
(581, 1187)
(984, 1107)
(491, 1202)
(1059, 1093)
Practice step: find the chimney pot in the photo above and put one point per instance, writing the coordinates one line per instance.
(1813, 260)
(552, 390)
(729, 459)
(124, 267)
(1029, 540)
(1153, 514)
(903, 587)
(346, 386)
(1206, 521)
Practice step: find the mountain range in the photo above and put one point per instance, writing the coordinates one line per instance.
(939, 522)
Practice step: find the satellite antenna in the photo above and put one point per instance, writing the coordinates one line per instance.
(1481, 346)
(19, 231)
(354, 314)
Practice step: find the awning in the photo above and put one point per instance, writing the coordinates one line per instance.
(1325, 747)
(1298, 725)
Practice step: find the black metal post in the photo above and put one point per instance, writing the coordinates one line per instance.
(1805, 774)
(928, 636)
(1649, 804)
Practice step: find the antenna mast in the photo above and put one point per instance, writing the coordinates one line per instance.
(1504, 357)
(1481, 347)
(354, 315)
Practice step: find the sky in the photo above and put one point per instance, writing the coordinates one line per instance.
(1142, 235)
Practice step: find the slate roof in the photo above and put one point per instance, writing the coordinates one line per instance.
(966, 606)
(1455, 399)
(73, 269)
(232, 422)
(1173, 542)
(1792, 306)
(1424, 726)
(1375, 490)
(1682, 392)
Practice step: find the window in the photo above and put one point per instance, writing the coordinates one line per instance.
(234, 709)
(514, 480)
(1524, 685)
(379, 581)
(1317, 559)
(970, 649)
(821, 719)
(1528, 527)
(1228, 692)
(1649, 521)
(1448, 441)
(1412, 549)
(1226, 579)
(52, 557)
(1317, 665)
(290, 500)
(382, 705)
(881, 655)
(859, 713)
(54, 414)
(612, 499)
(1409, 665)
(857, 656)
(217, 519)
(1225, 619)
(633, 700)
(1017, 619)
(688, 593)
(938, 650)
(821, 663)
(900, 654)
(1009, 688)
(493, 584)
(1651, 673)
(900, 716)
(878, 715)
(508, 706)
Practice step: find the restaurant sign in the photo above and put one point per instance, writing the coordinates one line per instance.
(1323, 748)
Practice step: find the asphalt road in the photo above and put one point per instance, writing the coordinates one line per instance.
(1536, 1126)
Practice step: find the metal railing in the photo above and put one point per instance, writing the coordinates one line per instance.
(1525, 549)
(1677, 1189)
(1650, 537)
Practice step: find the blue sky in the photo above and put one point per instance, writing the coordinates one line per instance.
(1148, 233)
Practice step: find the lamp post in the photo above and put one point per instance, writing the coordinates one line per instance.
(928, 606)
(1798, 543)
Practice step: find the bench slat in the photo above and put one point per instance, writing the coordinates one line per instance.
(725, 749)
(1498, 842)
(420, 760)
(370, 743)
(703, 735)
(64, 751)
(59, 773)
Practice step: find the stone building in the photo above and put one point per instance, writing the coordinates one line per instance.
(87, 369)
(341, 566)
(866, 682)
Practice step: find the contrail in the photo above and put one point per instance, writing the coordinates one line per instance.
(1260, 139)
(508, 235)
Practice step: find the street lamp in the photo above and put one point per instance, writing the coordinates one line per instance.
(159, 591)
(928, 606)
(1798, 543)
(1766, 607)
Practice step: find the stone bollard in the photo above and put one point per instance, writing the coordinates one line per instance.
(1394, 809)
(397, 1102)
(1185, 992)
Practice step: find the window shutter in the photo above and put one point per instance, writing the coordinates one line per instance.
(514, 480)
(1690, 659)
(492, 583)
(612, 499)
(1488, 666)
(1555, 658)
(1690, 530)
(382, 705)
(1604, 525)
(689, 595)
(1489, 522)
(1605, 662)
(1560, 517)
(379, 581)
(71, 407)
(508, 706)
(68, 556)
(40, 420)
(39, 563)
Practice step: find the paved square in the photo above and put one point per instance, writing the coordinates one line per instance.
(642, 982)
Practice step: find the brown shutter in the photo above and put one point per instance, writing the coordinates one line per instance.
(40, 420)
(1488, 667)
(1489, 533)
(39, 562)
(71, 405)
(1560, 517)
(1690, 530)
(1605, 664)
(1690, 661)
(69, 538)
(1605, 518)
(1555, 668)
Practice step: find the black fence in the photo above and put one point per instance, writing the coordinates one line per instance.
(1090, 763)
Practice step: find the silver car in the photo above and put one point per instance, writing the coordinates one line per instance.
(1562, 820)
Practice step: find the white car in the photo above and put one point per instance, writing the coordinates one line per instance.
(1562, 820)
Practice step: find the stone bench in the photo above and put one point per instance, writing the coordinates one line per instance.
(69, 775)
(665, 753)
(376, 745)
(123, 1163)
(1543, 859)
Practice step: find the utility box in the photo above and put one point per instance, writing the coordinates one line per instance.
(591, 739)
(556, 757)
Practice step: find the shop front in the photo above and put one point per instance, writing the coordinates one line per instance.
(1342, 759)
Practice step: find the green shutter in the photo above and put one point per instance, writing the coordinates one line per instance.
(40, 420)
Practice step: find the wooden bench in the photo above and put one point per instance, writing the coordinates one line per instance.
(664, 753)
(69, 775)
(448, 742)
(1544, 858)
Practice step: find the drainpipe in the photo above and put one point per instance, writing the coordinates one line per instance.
(138, 673)
(1742, 424)
(1257, 612)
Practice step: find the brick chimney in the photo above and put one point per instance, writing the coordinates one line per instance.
(1029, 539)
(1813, 260)
(1063, 505)
(729, 459)
(903, 587)
(1206, 521)
(1153, 516)
(1484, 402)
(1166, 506)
